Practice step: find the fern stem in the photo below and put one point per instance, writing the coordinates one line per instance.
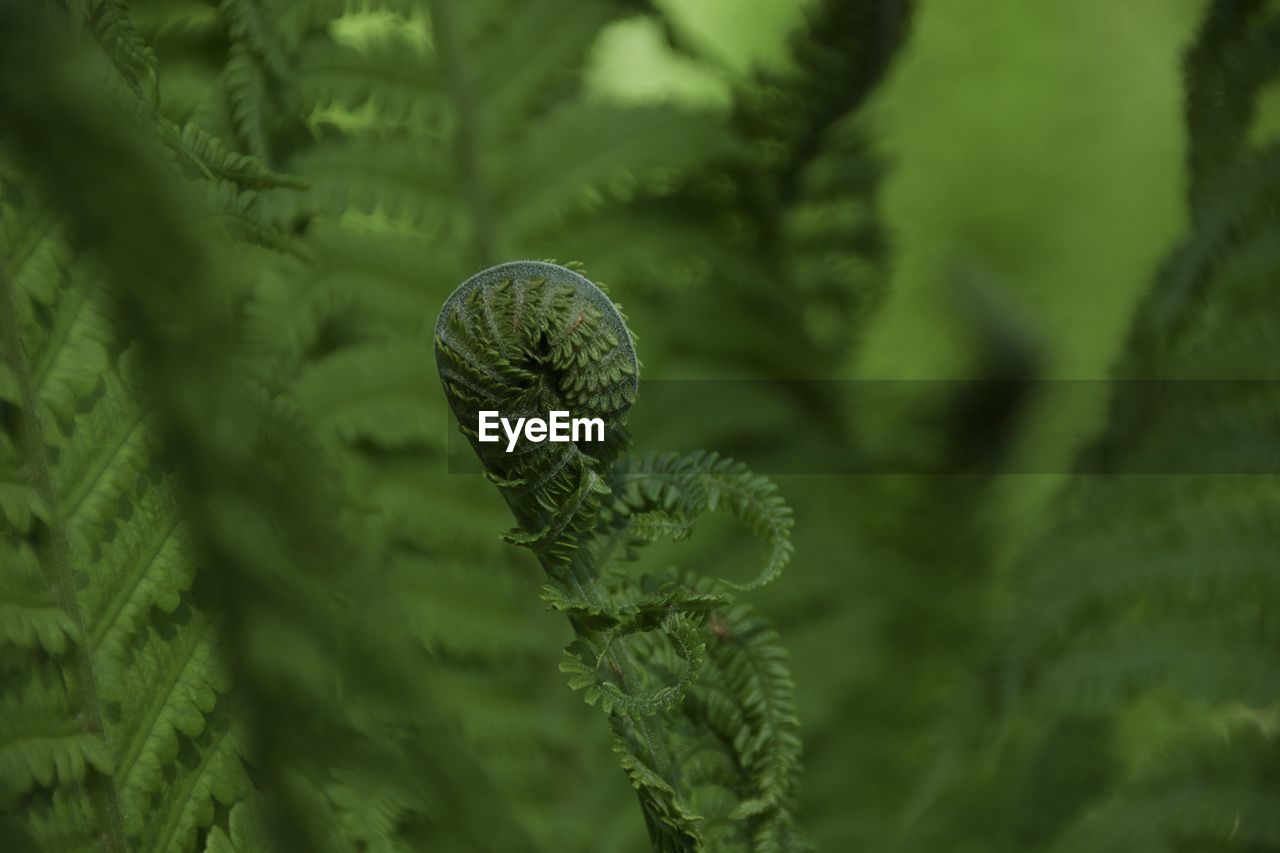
(55, 562)
(465, 136)
(632, 726)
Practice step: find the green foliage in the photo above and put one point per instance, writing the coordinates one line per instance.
(110, 668)
(716, 769)
(1172, 585)
(244, 606)
(1143, 613)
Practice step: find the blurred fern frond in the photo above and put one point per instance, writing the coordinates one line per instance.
(787, 215)
(111, 667)
(1149, 601)
(120, 657)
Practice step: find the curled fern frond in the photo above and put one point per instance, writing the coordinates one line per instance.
(705, 482)
(696, 688)
(525, 339)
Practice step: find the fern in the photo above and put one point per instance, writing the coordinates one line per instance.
(526, 338)
(784, 215)
(686, 487)
(261, 590)
(111, 24)
(123, 733)
(1161, 604)
(97, 594)
(246, 606)
(1209, 795)
(1187, 536)
(436, 139)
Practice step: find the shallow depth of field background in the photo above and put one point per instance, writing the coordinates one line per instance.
(998, 207)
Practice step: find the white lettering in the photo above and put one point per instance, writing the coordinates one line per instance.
(512, 434)
(587, 424)
(488, 422)
(557, 427)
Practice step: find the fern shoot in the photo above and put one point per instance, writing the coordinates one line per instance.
(696, 688)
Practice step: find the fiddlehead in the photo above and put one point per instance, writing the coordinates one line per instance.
(696, 687)
(525, 339)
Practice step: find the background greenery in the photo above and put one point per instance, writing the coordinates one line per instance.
(243, 604)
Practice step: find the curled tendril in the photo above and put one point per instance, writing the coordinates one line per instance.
(527, 338)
